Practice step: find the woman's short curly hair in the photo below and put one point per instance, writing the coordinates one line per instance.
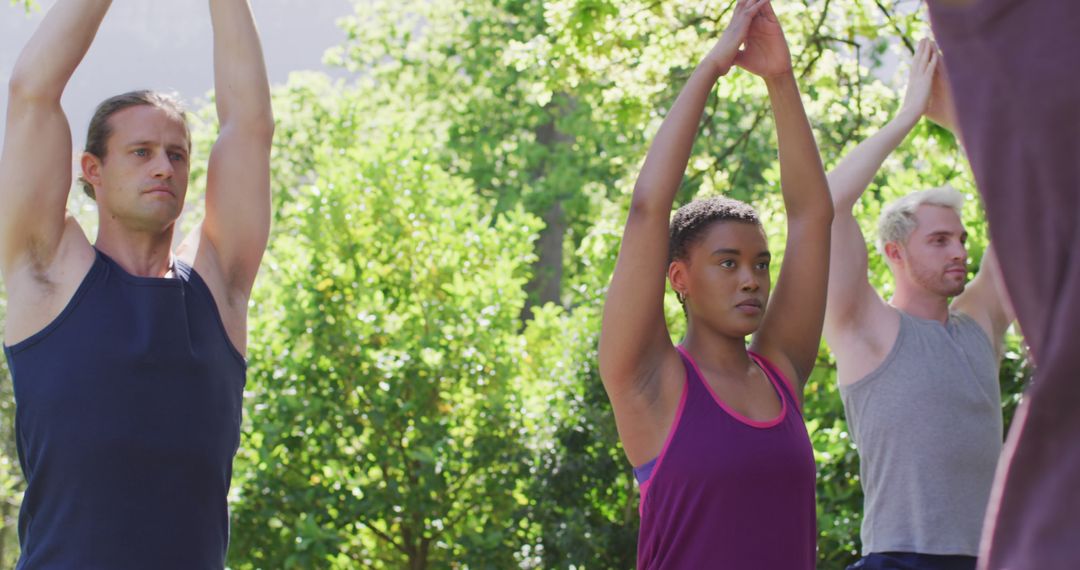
(690, 221)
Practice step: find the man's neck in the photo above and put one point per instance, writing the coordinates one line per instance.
(143, 254)
(921, 303)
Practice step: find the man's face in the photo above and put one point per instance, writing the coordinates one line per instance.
(936, 251)
(143, 180)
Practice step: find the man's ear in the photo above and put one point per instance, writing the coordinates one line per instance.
(894, 253)
(91, 168)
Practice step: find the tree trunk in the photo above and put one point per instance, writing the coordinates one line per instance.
(546, 283)
(418, 560)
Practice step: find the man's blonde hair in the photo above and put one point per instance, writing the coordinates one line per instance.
(897, 219)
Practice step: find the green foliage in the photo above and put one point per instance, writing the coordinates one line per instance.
(582, 495)
(386, 425)
(11, 480)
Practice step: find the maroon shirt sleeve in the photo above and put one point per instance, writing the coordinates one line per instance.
(1015, 72)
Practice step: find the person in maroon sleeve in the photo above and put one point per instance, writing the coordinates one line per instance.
(1014, 69)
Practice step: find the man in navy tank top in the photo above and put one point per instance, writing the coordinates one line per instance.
(918, 374)
(127, 356)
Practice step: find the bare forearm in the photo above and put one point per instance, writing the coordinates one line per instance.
(56, 49)
(669, 154)
(802, 177)
(849, 179)
(240, 79)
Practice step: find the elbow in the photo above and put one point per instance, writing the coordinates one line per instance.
(643, 204)
(843, 194)
(603, 357)
(254, 126)
(820, 212)
(264, 126)
(841, 204)
(260, 121)
(23, 87)
(828, 211)
(610, 370)
(817, 221)
(609, 365)
(825, 209)
(21, 84)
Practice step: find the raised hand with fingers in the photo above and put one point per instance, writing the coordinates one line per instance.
(765, 52)
(723, 55)
(920, 80)
(941, 109)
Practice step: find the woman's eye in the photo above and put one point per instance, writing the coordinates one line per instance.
(764, 265)
(727, 263)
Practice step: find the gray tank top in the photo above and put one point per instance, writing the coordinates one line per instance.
(927, 424)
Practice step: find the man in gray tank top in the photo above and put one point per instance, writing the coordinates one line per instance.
(918, 376)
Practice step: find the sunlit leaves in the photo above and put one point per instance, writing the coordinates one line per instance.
(384, 339)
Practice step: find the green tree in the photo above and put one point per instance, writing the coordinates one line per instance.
(385, 426)
(549, 104)
(11, 480)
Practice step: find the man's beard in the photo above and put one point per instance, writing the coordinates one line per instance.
(938, 282)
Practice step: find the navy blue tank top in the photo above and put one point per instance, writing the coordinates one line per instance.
(127, 419)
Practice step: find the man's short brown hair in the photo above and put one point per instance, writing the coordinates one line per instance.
(97, 136)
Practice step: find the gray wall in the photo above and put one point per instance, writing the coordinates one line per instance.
(167, 46)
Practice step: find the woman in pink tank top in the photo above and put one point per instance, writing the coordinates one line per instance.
(715, 428)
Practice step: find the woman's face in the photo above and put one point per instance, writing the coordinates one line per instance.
(725, 279)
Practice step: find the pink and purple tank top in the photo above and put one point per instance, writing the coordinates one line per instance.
(728, 492)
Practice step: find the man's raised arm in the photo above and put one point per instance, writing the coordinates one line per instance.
(852, 301)
(237, 223)
(35, 166)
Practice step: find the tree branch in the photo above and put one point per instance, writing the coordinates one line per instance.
(892, 20)
(382, 535)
